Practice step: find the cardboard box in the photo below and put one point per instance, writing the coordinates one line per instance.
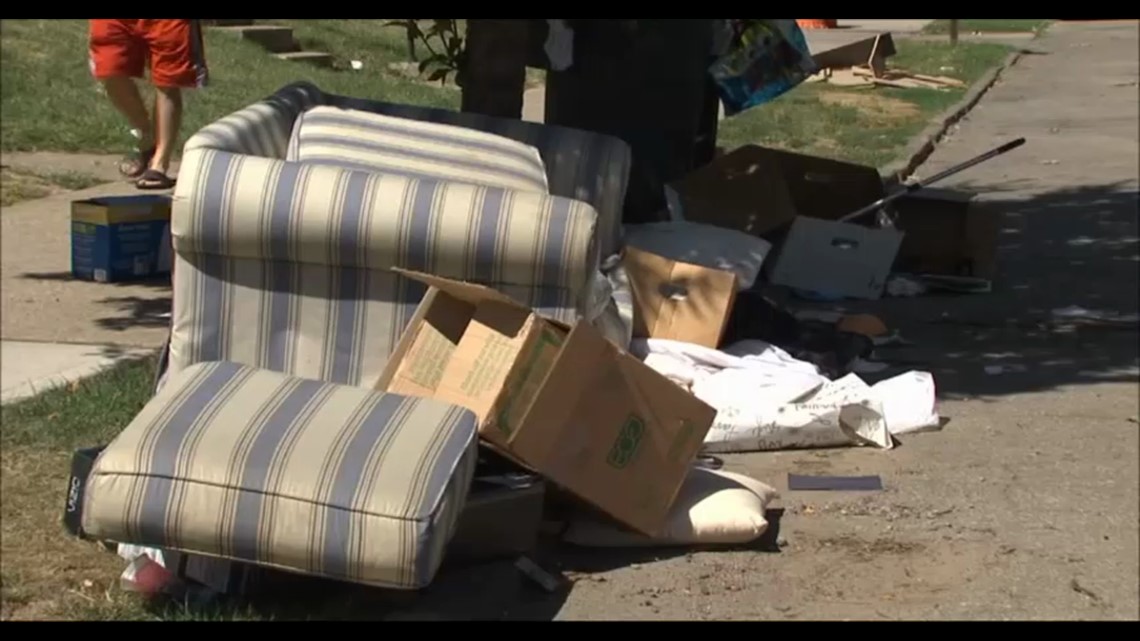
(760, 191)
(561, 400)
(678, 301)
(120, 238)
(947, 233)
(836, 259)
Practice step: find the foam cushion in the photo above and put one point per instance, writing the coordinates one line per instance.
(248, 464)
(386, 144)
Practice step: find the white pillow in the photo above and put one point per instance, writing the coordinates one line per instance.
(714, 507)
(385, 144)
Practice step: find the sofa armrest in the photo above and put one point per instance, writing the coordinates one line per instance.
(261, 129)
(241, 206)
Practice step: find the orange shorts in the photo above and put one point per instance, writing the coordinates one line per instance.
(173, 49)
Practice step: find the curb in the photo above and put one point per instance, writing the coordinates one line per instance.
(920, 148)
(71, 374)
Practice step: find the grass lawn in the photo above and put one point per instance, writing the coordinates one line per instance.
(49, 102)
(381, 49)
(45, 573)
(21, 184)
(986, 26)
(867, 125)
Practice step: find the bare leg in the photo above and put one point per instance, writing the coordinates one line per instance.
(124, 96)
(168, 119)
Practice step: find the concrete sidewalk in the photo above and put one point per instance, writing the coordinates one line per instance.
(54, 329)
(28, 368)
(41, 302)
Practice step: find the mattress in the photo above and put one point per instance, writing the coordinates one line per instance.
(322, 479)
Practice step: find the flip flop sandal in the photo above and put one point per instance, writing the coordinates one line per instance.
(153, 179)
(135, 164)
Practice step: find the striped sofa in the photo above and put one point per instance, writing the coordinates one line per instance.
(265, 275)
(282, 276)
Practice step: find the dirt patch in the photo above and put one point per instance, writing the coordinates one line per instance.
(105, 167)
(863, 550)
(872, 106)
(18, 184)
(46, 573)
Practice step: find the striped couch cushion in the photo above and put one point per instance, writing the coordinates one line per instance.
(317, 478)
(386, 144)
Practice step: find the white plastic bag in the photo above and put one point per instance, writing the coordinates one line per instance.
(608, 305)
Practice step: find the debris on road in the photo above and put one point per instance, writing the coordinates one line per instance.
(799, 482)
(537, 575)
(998, 370)
(1078, 314)
(1075, 586)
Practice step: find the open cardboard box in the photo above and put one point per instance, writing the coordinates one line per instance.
(948, 233)
(559, 399)
(795, 201)
(759, 190)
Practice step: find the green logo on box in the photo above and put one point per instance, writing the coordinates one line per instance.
(628, 440)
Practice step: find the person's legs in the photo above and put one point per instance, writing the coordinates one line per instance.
(167, 120)
(117, 58)
(177, 62)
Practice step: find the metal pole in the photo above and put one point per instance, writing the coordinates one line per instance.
(953, 33)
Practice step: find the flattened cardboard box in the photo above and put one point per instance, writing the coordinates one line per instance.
(678, 301)
(561, 400)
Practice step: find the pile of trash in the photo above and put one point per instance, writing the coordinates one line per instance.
(611, 442)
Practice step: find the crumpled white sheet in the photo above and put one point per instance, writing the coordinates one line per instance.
(768, 400)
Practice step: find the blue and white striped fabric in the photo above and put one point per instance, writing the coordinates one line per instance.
(386, 144)
(286, 266)
(582, 165)
(330, 480)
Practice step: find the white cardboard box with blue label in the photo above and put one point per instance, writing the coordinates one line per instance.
(120, 238)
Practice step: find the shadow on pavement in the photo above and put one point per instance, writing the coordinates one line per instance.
(136, 312)
(1056, 249)
(129, 312)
